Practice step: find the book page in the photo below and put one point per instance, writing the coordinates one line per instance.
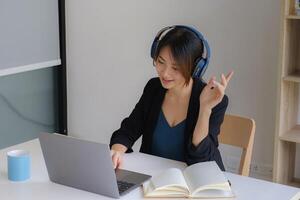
(149, 191)
(170, 183)
(213, 193)
(170, 177)
(205, 175)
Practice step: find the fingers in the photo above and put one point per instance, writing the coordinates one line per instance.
(120, 162)
(224, 80)
(117, 160)
(219, 86)
(229, 75)
(211, 82)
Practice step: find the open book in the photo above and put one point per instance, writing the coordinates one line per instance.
(201, 180)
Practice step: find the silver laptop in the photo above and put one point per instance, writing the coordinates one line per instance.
(86, 165)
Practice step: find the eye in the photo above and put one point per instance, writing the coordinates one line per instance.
(160, 61)
(175, 68)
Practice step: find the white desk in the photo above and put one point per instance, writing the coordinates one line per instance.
(39, 187)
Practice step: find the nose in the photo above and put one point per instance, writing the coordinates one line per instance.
(166, 72)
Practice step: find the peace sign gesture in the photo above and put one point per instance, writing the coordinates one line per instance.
(213, 92)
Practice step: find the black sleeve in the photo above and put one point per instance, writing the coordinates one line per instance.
(205, 151)
(131, 127)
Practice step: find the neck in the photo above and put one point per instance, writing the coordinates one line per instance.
(181, 90)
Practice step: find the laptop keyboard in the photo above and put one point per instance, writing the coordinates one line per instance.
(123, 186)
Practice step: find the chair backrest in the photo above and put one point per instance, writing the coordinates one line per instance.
(239, 131)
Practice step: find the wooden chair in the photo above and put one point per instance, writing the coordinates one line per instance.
(239, 131)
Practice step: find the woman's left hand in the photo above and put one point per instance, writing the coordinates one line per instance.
(213, 92)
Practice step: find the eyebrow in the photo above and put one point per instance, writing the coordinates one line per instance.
(161, 58)
(175, 64)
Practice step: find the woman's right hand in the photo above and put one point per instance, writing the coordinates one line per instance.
(117, 158)
(117, 151)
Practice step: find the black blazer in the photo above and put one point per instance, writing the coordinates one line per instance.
(142, 122)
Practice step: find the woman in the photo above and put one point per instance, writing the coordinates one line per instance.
(178, 116)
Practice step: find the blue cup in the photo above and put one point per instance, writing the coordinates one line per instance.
(18, 165)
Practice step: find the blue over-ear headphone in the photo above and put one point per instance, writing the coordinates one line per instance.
(201, 63)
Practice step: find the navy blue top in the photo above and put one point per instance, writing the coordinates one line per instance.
(168, 142)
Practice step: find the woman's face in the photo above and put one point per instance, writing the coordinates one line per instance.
(167, 70)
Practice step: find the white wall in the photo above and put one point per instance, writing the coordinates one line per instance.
(108, 44)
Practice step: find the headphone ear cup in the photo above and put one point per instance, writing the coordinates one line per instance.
(153, 48)
(199, 68)
(204, 65)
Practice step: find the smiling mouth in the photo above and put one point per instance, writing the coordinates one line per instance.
(166, 81)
